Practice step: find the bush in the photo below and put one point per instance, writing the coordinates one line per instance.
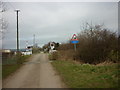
(67, 54)
(53, 56)
(96, 45)
(113, 56)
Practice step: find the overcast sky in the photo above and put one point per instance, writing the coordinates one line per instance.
(55, 21)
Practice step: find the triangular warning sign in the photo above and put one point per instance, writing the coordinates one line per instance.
(74, 37)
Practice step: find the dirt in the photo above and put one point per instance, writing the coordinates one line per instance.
(36, 73)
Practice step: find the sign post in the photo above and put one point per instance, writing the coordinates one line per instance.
(75, 46)
(74, 40)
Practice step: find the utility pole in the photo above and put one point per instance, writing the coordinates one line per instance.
(26, 44)
(34, 40)
(17, 31)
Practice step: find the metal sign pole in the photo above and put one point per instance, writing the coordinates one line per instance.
(75, 46)
(74, 40)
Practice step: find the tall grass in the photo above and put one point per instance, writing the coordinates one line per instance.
(88, 76)
(12, 64)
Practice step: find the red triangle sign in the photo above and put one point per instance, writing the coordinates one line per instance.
(74, 37)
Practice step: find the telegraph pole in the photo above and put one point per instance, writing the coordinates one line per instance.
(17, 11)
(33, 40)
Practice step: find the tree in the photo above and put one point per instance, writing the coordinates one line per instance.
(3, 22)
(96, 44)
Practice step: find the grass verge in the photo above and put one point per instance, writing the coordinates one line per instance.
(12, 64)
(86, 75)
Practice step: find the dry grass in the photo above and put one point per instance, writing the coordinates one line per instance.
(87, 75)
(106, 63)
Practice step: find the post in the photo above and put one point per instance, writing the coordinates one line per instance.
(17, 32)
(34, 40)
(75, 46)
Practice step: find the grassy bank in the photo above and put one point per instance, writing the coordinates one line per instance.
(12, 64)
(86, 75)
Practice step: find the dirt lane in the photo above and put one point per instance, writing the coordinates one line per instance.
(36, 73)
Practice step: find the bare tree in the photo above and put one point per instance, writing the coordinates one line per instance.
(3, 22)
(96, 44)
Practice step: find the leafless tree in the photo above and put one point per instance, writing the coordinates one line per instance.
(3, 22)
(96, 44)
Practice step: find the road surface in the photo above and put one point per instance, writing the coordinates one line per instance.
(36, 73)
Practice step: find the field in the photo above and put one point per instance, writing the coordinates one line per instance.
(12, 64)
(86, 75)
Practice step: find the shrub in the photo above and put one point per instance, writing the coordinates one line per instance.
(53, 56)
(66, 54)
(96, 44)
(113, 56)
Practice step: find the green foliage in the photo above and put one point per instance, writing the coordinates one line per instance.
(86, 75)
(8, 69)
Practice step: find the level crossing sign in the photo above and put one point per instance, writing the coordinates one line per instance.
(74, 39)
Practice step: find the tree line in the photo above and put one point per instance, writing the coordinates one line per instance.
(96, 44)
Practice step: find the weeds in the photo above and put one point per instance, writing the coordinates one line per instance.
(86, 75)
(12, 64)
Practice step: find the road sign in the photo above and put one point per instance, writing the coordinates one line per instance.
(74, 39)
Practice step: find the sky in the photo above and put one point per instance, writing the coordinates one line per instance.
(55, 21)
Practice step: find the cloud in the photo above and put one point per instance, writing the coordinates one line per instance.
(61, 0)
(56, 21)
